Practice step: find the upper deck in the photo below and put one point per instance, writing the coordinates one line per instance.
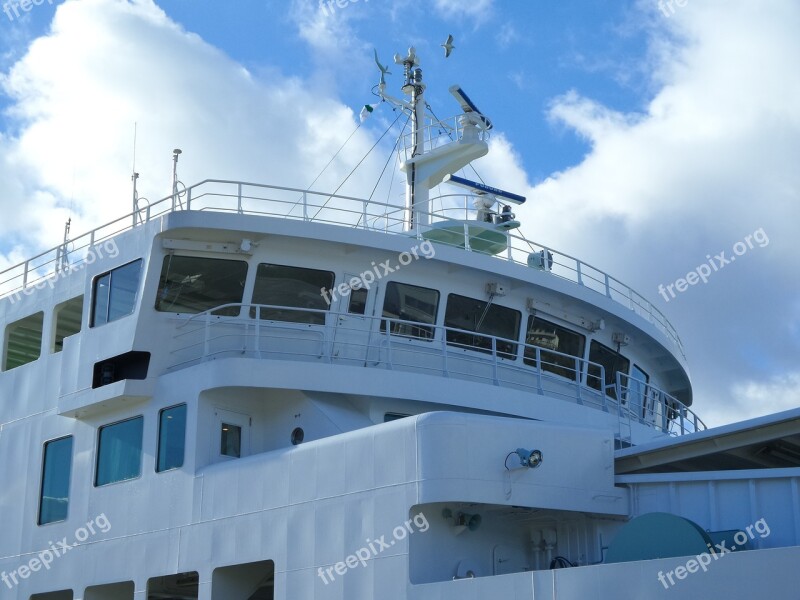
(305, 205)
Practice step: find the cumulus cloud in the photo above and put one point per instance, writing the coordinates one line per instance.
(706, 162)
(78, 91)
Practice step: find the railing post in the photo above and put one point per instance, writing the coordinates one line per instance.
(494, 361)
(25, 275)
(539, 370)
(364, 213)
(189, 199)
(578, 381)
(239, 198)
(258, 330)
(305, 206)
(608, 285)
(207, 339)
(579, 273)
(444, 352)
(467, 245)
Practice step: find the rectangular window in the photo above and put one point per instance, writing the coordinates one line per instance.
(171, 438)
(231, 440)
(192, 284)
(24, 341)
(612, 362)
(119, 451)
(637, 390)
(56, 470)
(471, 315)
(357, 304)
(552, 338)
(293, 288)
(114, 293)
(69, 317)
(405, 303)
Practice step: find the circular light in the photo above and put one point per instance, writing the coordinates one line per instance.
(298, 435)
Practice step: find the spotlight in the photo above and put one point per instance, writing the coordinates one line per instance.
(527, 458)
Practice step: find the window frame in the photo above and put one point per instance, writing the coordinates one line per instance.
(159, 439)
(99, 448)
(315, 316)
(555, 368)
(424, 332)
(610, 378)
(228, 312)
(512, 353)
(42, 474)
(93, 300)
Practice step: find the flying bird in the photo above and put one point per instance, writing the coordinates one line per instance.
(448, 46)
(384, 70)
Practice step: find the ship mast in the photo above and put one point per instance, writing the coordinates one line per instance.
(427, 168)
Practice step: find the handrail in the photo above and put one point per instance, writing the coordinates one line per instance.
(312, 206)
(386, 335)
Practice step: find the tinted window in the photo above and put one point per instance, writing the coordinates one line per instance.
(114, 293)
(553, 339)
(613, 362)
(119, 451)
(471, 315)
(358, 301)
(56, 470)
(191, 284)
(410, 303)
(293, 288)
(171, 438)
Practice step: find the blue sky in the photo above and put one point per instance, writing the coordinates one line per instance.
(644, 141)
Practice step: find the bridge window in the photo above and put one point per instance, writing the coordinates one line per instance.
(56, 469)
(193, 284)
(114, 293)
(612, 362)
(554, 341)
(119, 451)
(24, 341)
(473, 317)
(293, 288)
(171, 438)
(410, 303)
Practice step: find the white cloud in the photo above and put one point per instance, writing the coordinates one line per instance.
(476, 9)
(107, 64)
(709, 160)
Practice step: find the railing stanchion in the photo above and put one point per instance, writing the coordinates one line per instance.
(305, 206)
(258, 331)
(207, 337)
(238, 198)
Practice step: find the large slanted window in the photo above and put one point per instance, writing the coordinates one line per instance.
(473, 317)
(612, 362)
(553, 339)
(171, 438)
(405, 303)
(23, 341)
(293, 288)
(119, 451)
(194, 284)
(114, 293)
(56, 469)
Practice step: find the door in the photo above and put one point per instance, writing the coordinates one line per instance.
(354, 337)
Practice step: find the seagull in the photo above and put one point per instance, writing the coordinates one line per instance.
(448, 46)
(384, 70)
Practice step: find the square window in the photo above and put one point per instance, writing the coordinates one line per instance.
(119, 451)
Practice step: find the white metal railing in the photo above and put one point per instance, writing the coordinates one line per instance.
(645, 403)
(305, 205)
(438, 133)
(397, 344)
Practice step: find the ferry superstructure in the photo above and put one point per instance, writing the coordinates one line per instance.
(254, 392)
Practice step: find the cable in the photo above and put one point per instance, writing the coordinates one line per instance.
(563, 562)
(356, 167)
